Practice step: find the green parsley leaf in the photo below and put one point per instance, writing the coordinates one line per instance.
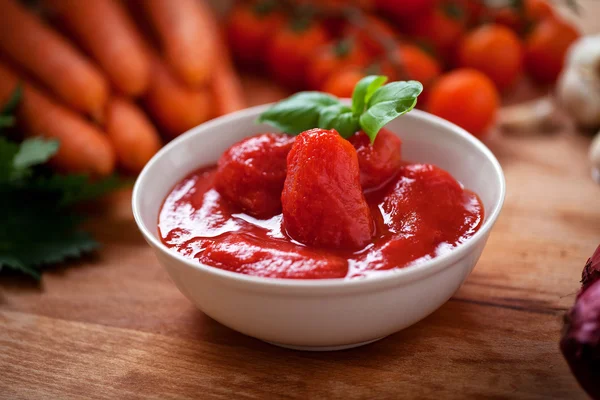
(387, 103)
(298, 113)
(8, 151)
(363, 91)
(340, 118)
(6, 121)
(16, 161)
(73, 189)
(39, 225)
(13, 102)
(35, 232)
(35, 151)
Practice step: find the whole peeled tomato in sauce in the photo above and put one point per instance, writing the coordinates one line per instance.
(323, 203)
(380, 161)
(435, 196)
(251, 173)
(424, 211)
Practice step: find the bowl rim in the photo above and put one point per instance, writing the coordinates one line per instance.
(392, 276)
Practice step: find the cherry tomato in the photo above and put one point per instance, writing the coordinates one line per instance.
(374, 27)
(520, 20)
(546, 47)
(341, 83)
(404, 10)
(509, 17)
(538, 10)
(441, 28)
(291, 50)
(249, 28)
(494, 50)
(467, 98)
(415, 64)
(332, 58)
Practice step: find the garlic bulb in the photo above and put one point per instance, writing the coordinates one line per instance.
(578, 88)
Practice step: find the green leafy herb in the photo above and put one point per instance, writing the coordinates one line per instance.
(388, 103)
(299, 112)
(363, 91)
(38, 225)
(339, 117)
(373, 105)
(6, 117)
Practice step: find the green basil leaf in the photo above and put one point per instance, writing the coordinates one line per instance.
(363, 91)
(340, 118)
(297, 113)
(387, 103)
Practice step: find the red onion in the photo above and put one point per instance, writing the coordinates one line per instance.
(580, 343)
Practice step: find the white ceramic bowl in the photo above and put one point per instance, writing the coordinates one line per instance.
(322, 314)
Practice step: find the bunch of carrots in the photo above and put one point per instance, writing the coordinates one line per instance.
(465, 52)
(112, 79)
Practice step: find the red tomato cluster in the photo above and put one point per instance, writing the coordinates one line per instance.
(458, 49)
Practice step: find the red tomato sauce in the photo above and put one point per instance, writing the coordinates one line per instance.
(421, 213)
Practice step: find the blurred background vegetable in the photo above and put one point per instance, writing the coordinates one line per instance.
(580, 343)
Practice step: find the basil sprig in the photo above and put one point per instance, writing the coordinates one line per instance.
(374, 104)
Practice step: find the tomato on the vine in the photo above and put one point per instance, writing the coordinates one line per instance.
(467, 98)
(538, 10)
(546, 48)
(341, 83)
(494, 50)
(522, 16)
(441, 28)
(249, 28)
(334, 57)
(404, 10)
(374, 29)
(291, 50)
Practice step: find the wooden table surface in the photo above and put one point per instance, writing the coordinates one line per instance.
(115, 326)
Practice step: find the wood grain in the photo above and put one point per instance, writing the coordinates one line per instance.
(114, 326)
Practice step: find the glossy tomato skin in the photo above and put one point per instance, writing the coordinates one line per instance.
(378, 161)
(291, 51)
(494, 50)
(249, 30)
(406, 196)
(546, 48)
(467, 98)
(251, 173)
(333, 58)
(323, 203)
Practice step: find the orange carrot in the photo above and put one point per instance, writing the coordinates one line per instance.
(51, 59)
(225, 83)
(83, 148)
(174, 106)
(184, 30)
(104, 28)
(134, 137)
